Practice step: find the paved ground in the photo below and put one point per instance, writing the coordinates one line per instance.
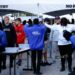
(47, 70)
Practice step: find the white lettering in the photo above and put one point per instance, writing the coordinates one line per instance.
(35, 33)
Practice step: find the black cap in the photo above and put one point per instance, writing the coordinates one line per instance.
(18, 19)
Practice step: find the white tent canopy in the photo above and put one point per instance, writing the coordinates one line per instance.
(34, 8)
(38, 6)
(37, 1)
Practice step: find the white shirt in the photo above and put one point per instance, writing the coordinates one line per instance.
(54, 34)
(61, 39)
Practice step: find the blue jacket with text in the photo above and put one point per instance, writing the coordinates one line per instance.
(3, 40)
(35, 35)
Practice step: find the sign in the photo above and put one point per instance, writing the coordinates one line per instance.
(70, 6)
(3, 6)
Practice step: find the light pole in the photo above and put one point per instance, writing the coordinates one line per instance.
(38, 9)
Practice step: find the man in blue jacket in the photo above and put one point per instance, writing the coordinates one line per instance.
(35, 35)
(3, 43)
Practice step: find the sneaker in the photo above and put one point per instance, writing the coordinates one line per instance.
(34, 72)
(3, 67)
(70, 70)
(74, 69)
(46, 63)
(11, 65)
(43, 64)
(0, 70)
(38, 73)
(71, 73)
(62, 69)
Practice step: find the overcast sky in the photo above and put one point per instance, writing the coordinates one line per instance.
(37, 1)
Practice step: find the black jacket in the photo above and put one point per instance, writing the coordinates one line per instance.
(10, 34)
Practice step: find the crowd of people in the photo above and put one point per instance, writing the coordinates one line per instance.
(41, 36)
